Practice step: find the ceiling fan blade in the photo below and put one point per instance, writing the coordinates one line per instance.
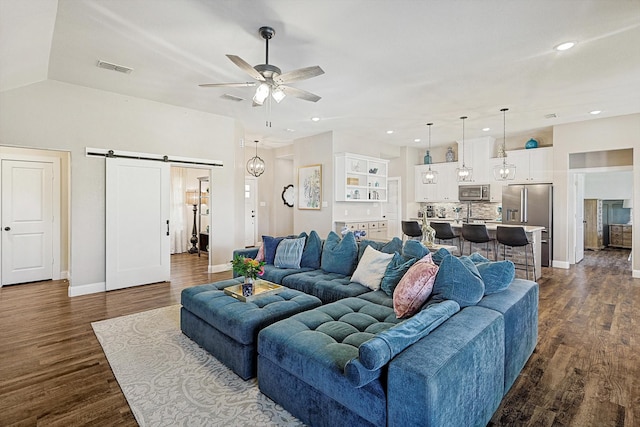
(244, 65)
(247, 84)
(299, 93)
(299, 74)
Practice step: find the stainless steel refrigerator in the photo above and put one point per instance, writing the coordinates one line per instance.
(531, 204)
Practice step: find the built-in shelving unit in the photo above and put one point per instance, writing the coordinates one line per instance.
(360, 178)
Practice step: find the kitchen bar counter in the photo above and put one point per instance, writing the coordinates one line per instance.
(534, 234)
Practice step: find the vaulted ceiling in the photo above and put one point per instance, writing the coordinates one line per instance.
(389, 65)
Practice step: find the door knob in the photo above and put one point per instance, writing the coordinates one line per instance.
(7, 228)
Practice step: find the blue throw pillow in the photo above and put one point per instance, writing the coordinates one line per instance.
(414, 249)
(395, 271)
(439, 255)
(476, 257)
(289, 253)
(270, 244)
(394, 245)
(497, 276)
(458, 279)
(312, 250)
(340, 255)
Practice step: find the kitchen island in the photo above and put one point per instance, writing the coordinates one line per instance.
(534, 234)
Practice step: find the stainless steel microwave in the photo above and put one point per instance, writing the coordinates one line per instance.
(473, 193)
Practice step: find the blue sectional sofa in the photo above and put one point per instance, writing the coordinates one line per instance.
(352, 362)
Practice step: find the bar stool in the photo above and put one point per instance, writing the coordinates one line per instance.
(411, 229)
(445, 232)
(516, 237)
(476, 233)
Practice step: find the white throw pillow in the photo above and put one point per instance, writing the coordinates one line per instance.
(371, 268)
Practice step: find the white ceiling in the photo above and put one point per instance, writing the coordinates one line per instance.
(389, 64)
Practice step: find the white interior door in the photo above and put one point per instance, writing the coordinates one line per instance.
(27, 221)
(579, 209)
(250, 212)
(137, 226)
(392, 208)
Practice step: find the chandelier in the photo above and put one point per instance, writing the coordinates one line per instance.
(430, 177)
(464, 173)
(504, 171)
(255, 165)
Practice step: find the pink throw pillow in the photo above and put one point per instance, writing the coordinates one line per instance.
(260, 256)
(414, 288)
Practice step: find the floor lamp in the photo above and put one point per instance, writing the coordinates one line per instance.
(193, 199)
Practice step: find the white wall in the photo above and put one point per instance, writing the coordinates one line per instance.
(608, 185)
(55, 115)
(315, 150)
(593, 135)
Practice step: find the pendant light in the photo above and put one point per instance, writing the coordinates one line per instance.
(255, 165)
(464, 173)
(430, 177)
(504, 172)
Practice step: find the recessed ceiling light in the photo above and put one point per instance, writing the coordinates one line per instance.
(315, 119)
(290, 130)
(486, 129)
(389, 132)
(416, 140)
(594, 112)
(565, 46)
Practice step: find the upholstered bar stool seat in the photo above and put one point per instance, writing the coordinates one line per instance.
(476, 233)
(411, 229)
(515, 237)
(444, 231)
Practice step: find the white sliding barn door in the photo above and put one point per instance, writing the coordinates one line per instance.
(27, 221)
(137, 223)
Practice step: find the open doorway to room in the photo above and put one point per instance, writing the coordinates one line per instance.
(605, 199)
(35, 215)
(190, 211)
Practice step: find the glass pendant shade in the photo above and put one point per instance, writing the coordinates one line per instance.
(430, 176)
(504, 172)
(463, 173)
(278, 94)
(255, 165)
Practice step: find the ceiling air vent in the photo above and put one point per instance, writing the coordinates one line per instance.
(550, 116)
(114, 67)
(232, 97)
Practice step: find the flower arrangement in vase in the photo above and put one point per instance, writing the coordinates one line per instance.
(247, 267)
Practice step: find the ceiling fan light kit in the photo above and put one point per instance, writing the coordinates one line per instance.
(504, 172)
(464, 173)
(271, 81)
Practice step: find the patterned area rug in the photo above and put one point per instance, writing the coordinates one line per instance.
(169, 380)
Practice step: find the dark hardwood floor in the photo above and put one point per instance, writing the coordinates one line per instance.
(585, 370)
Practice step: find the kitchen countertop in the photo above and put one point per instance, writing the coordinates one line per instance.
(491, 225)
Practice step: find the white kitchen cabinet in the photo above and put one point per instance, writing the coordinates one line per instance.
(532, 166)
(360, 178)
(376, 230)
(478, 151)
(445, 190)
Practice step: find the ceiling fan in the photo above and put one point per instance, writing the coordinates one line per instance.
(270, 79)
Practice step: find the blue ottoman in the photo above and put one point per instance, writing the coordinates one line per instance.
(228, 328)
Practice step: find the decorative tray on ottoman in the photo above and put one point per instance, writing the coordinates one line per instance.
(261, 288)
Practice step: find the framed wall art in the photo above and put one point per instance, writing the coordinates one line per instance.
(310, 187)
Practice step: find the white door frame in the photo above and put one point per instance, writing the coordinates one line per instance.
(254, 180)
(56, 205)
(398, 207)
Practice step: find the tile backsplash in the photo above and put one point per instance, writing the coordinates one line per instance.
(484, 210)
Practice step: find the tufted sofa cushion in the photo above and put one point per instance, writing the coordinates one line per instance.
(316, 345)
(329, 287)
(276, 275)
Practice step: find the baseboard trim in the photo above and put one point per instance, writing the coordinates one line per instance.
(90, 288)
(635, 274)
(64, 275)
(219, 268)
(561, 264)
